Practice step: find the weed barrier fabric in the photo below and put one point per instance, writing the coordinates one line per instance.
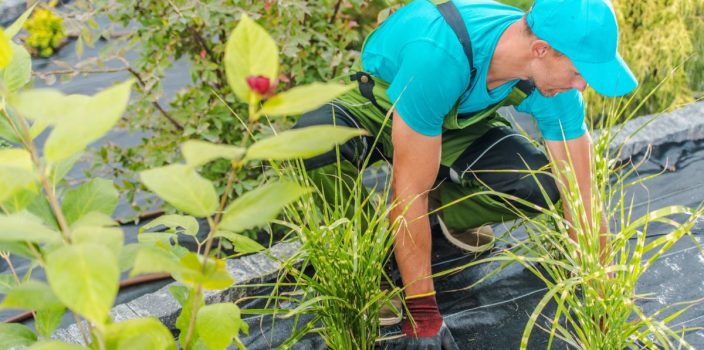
(493, 314)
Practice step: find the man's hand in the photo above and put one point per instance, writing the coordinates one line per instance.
(424, 329)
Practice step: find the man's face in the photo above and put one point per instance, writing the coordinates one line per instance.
(555, 73)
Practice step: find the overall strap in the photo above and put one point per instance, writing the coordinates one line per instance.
(453, 18)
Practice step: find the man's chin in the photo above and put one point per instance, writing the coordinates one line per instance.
(548, 93)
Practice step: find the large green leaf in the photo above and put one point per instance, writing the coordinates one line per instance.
(151, 259)
(96, 195)
(85, 278)
(16, 26)
(14, 335)
(60, 169)
(16, 172)
(23, 226)
(198, 152)
(21, 198)
(139, 334)
(110, 237)
(183, 188)
(175, 223)
(7, 282)
(218, 324)
(243, 244)
(93, 120)
(47, 320)
(5, 50)
(55, 106)
(258, 207)
(303, 99)
(19, 71)
(31, 295)
(215, 276)
(302, 143)
(250, 51)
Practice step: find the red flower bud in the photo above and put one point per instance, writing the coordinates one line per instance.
(259, 84)
(202, 54)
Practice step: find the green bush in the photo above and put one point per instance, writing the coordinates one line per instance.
(318, 40)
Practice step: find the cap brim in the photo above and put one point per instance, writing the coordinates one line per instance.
(612, 78)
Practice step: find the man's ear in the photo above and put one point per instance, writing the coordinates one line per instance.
(539, 48)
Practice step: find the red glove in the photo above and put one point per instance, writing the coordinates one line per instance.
(425, 314)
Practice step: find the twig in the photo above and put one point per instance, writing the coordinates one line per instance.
(155, 103)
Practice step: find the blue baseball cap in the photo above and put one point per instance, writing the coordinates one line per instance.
(587, 33)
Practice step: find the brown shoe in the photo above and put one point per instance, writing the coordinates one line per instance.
(391, 312)
(476, 240)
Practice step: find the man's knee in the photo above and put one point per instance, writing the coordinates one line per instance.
(538, 189)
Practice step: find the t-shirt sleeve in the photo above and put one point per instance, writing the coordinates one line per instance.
(427, 84)
(560, 117)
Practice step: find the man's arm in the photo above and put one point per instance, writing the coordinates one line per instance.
(579, 152)
(416, 161)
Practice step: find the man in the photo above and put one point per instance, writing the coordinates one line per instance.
(442, 69)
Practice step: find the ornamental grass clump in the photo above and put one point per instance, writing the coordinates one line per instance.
(593, 288)
(342, 265)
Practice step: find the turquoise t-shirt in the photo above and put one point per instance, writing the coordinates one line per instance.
(417, 52)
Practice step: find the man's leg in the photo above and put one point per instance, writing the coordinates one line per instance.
(483, 165)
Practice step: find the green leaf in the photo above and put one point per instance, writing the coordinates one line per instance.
(302, 143)
(303, 99)
(180, 293)
(215, 276)
(110, 237)
(31, 295)
(5, 50)
(47, 320)
(15, 27)
(60, 169)
(16, 172)
(95, 118)
(250, 51)
(54, 108)
(21, 198)
(85, 278)
(139, 334)
(218, 324)
(7, 282)
(128, 254)
(198, 152)
(243, 244)
(55, 345)
(95, 219)
(96, 195)
(183, 188)
(152, 259)
(24, 226)
(19, 71)
(17, 248)
(258, 207)
(188, 224)
(15, 335)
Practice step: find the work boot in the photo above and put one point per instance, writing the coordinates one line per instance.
(474, 240)
(391, 312)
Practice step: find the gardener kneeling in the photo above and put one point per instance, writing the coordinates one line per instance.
(448, 66)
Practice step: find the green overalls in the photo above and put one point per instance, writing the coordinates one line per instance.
(370, 105)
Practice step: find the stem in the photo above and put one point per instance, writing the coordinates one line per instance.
(194, 312)
(51, 195)
(78, 321)
(155, 103)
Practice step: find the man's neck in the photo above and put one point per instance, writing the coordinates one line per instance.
(509, 61)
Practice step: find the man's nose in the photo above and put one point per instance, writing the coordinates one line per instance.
(579, 83)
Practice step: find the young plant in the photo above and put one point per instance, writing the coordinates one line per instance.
(340, 266)
(251, 66)
(68, 232)
(592, 279)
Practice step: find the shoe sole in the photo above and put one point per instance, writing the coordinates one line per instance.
(464, 246)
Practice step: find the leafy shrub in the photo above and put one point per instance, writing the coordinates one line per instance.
(69, 232)
(46, 32)
(317, 41)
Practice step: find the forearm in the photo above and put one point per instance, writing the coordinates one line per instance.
(413, 244)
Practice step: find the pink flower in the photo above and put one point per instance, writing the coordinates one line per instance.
(202, 54)
(259, 84)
